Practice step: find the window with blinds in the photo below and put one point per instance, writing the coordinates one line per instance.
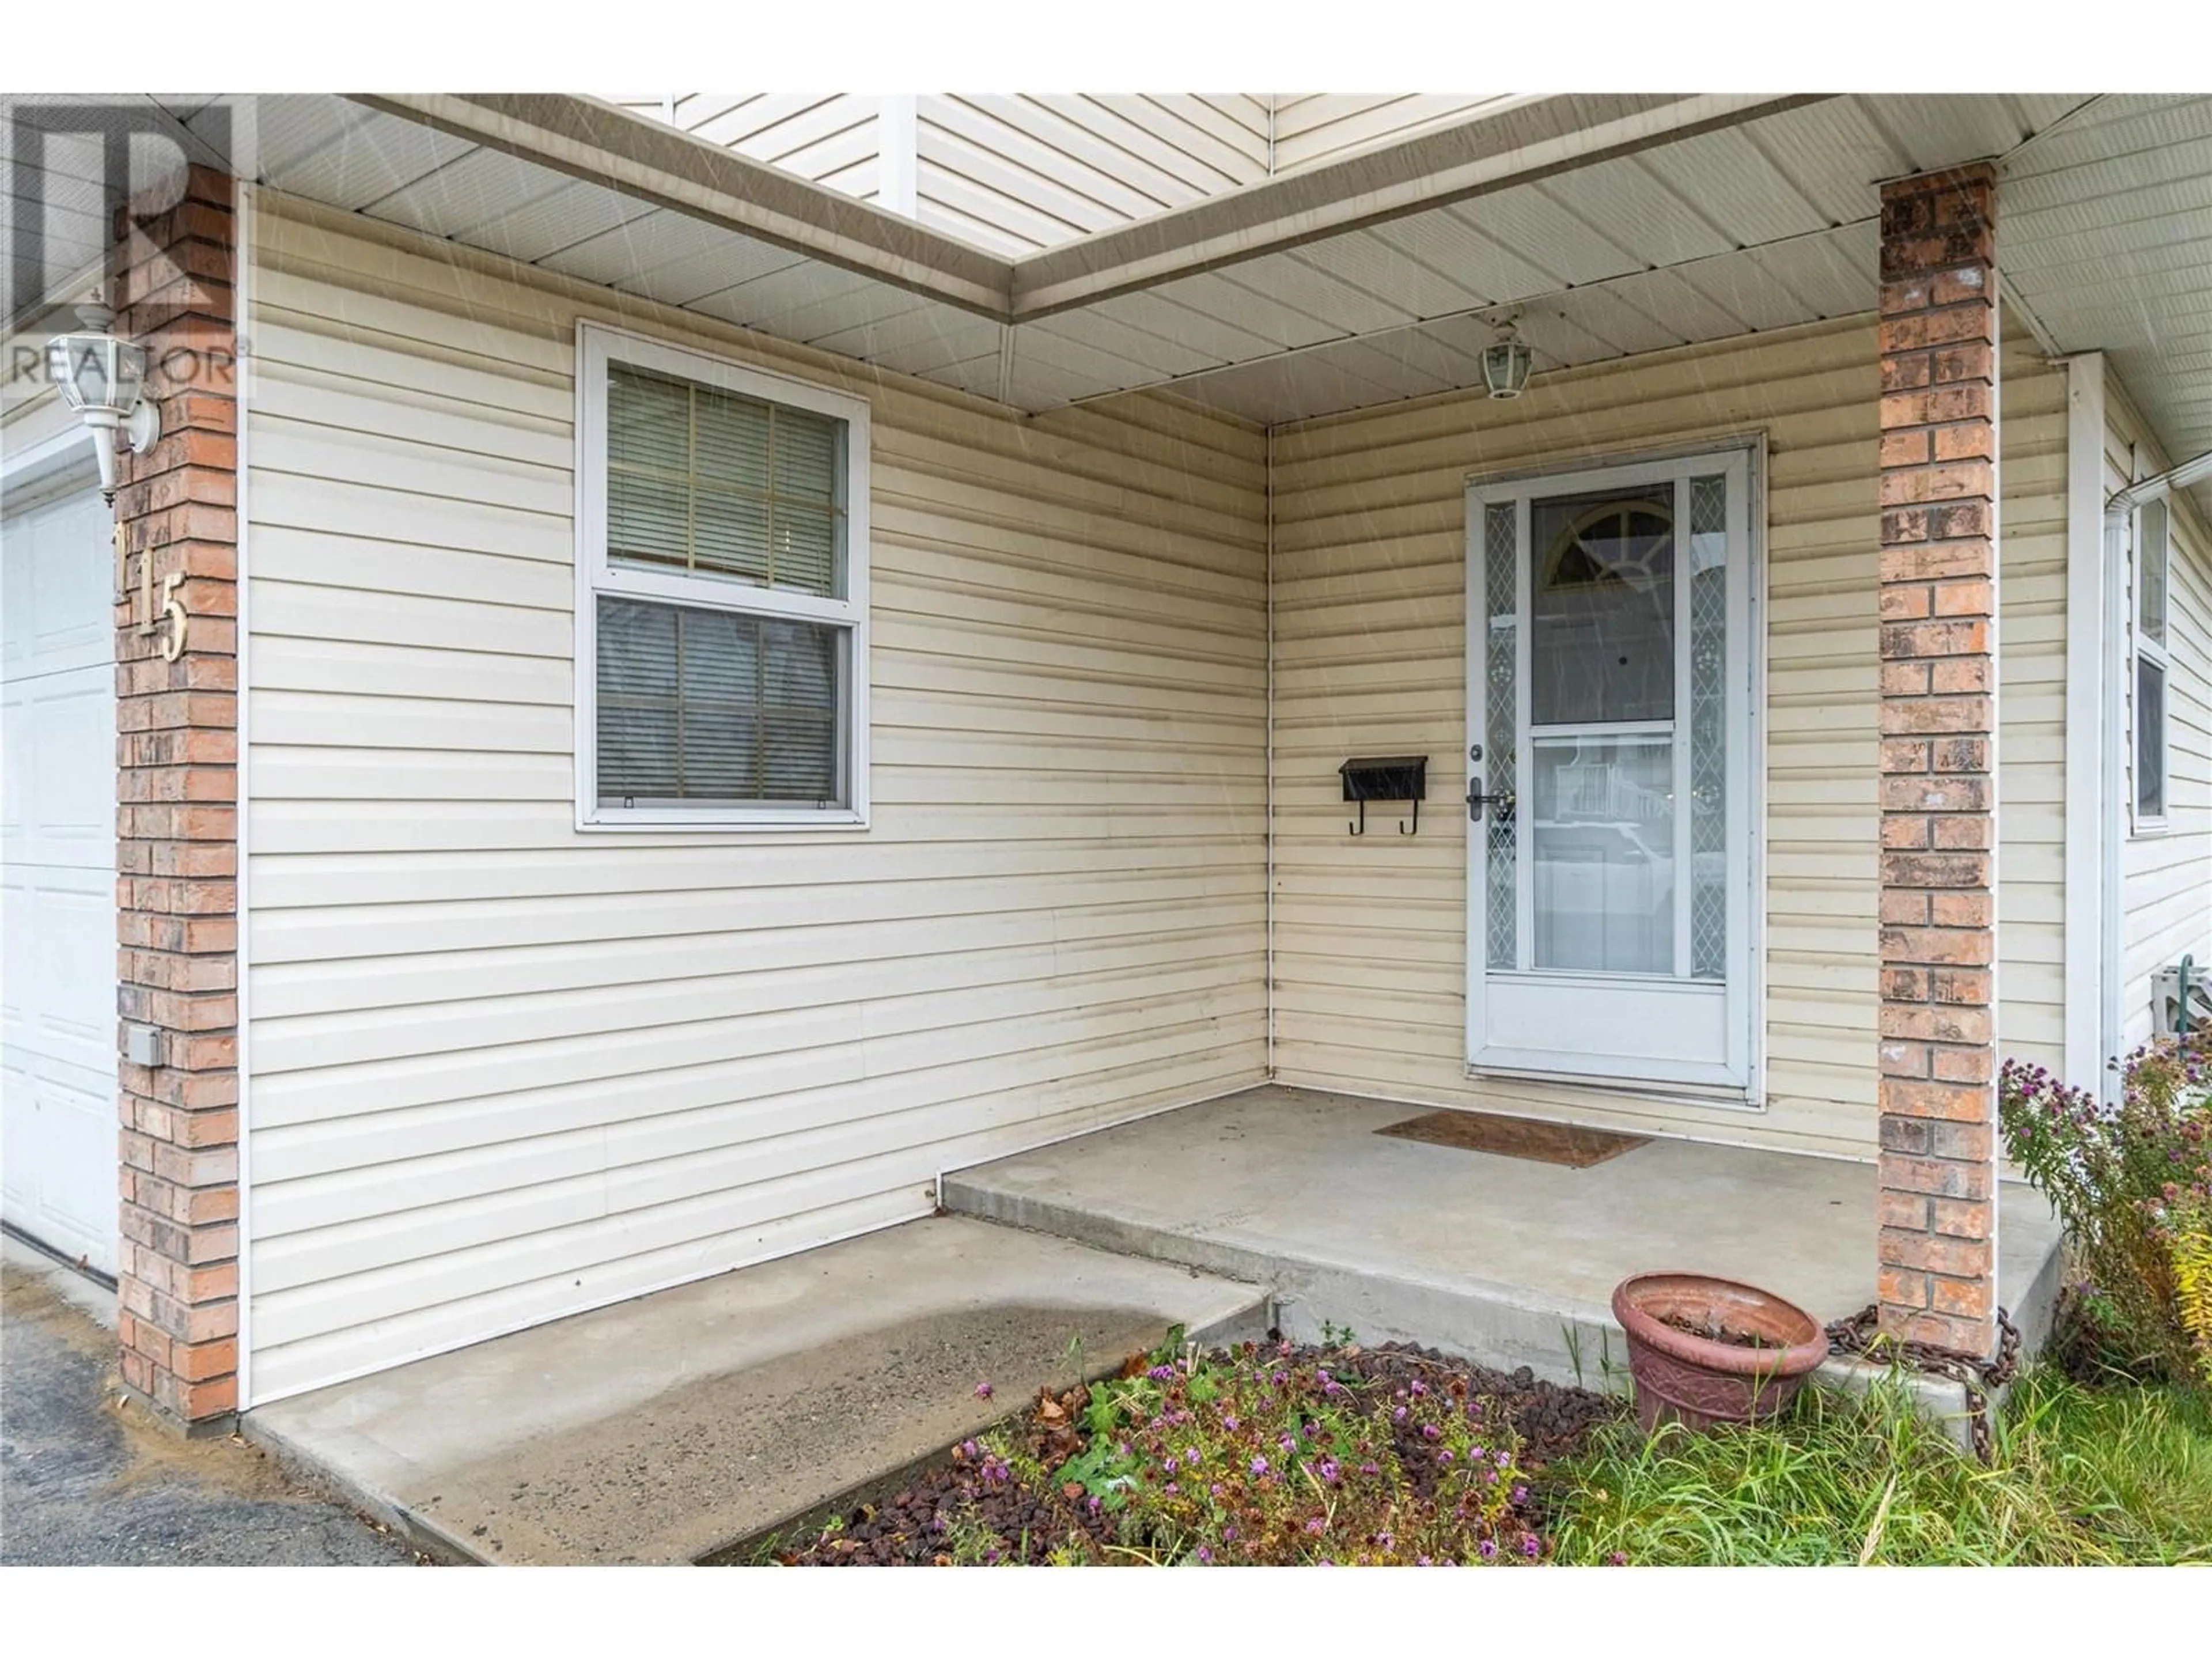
(723, 638)
(712, 484)
(714, 706)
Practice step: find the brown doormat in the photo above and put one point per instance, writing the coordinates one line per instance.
(1516, 1137)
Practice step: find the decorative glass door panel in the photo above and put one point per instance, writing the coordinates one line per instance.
(1609, 668)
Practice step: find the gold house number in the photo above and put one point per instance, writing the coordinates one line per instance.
(168, 617)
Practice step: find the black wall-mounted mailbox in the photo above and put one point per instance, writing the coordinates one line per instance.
(1394, 777)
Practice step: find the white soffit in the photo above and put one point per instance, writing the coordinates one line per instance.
(1762, 226)
(2105, 239)
(2105, 232)
(388, 167)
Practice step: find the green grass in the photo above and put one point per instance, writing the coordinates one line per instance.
(2081, 1476)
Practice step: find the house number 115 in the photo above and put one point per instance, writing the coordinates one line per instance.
(166, 616)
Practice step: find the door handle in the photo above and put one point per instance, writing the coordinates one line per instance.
(1500, 805)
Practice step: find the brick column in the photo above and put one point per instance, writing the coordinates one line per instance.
(176, 820)
(1939, 690)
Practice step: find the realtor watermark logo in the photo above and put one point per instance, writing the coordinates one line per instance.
(63, 244)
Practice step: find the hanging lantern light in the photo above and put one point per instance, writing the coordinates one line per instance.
(102, 377)
(1505, 364)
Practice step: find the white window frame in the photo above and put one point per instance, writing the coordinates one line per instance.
(2144, 648)
(598, 348)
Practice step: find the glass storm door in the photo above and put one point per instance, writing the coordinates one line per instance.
(1609, 678)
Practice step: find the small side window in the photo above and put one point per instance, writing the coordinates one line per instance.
(722, 614)
(2153, 549)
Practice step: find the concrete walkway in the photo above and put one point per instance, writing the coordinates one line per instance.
(1507, 1260)
(86, 1481)
(667, 1427)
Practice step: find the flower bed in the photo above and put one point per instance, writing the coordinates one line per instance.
(2132, 1183)
(1271, 1454)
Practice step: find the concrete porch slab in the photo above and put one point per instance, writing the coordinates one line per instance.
(666, 1427)
(1505, 1260)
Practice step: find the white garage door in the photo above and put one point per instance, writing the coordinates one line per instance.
(58, 1123)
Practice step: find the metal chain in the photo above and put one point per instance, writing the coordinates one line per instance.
(1862, 1334)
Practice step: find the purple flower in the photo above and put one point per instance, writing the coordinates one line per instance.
(1328, 1468)
(1258, 1466)
(1204, 1555)
(1316, 1526)
(1398, 1414)
(1504, 1459)
(1530, 1547)
(1486, 1550)
(1417, 1387)
(1191, 1457)
(982, 1391)
(1444, 1456)
(1430, 1431)
(1229, 1422)
(1521, 1494)
(1228, 1534)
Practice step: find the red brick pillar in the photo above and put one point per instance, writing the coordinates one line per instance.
(1939, 723)
(177, 815)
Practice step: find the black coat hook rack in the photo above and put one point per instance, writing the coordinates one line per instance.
(1396, 777)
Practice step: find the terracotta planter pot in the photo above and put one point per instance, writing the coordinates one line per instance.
(1697, 1381)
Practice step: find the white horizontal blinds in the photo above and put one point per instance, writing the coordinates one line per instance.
(727, 618)
(714, 483)
(714, 706)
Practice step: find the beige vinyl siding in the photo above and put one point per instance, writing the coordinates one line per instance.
(2032, 708)
(1310, 128)
(1015, 172)
(1371, 933)
(834, 138)
(500, 1070)
(2166, 874)
(1022, 172)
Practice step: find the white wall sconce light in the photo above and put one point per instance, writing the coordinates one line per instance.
(1506, 362)
(103, 379)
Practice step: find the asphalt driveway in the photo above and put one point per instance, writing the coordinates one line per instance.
(85, 1479)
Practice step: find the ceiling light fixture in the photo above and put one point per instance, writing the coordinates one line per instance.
(1506, 362)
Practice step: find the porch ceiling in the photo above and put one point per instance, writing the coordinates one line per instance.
(1617, 226)
(2104, 233)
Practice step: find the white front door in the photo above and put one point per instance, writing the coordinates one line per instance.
(58, 1125)
(1609, 667)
